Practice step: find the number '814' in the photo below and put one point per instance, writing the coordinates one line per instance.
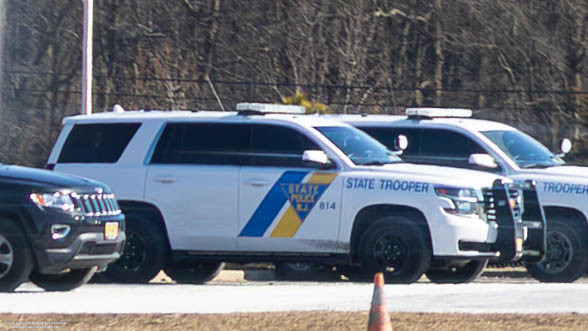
(327, 205)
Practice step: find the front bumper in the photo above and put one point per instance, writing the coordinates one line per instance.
(521, 228)
(86, 246)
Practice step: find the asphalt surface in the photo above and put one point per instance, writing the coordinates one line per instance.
(487, 295)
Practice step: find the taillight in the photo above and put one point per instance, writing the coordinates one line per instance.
(50, 166)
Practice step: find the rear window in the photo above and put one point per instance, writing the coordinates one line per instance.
(97, 143)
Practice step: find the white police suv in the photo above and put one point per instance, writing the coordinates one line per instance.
(201, 188)
(448, 137)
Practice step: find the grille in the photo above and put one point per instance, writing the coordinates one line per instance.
(489, 207)
(514, 194)
(95, 204)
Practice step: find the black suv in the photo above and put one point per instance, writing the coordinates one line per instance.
(56, 230)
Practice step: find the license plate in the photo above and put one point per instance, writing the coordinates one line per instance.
(111, 230)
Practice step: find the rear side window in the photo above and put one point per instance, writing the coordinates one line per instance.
(97, 143)
(203, 143)
(231, 144)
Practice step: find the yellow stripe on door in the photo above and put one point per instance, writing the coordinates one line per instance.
(290, 222)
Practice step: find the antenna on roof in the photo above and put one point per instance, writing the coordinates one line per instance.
(220, 103)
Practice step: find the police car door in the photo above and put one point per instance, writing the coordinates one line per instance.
(285, 204)
(193, 179)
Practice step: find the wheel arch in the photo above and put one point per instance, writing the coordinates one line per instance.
(574, 216)
(147, 210)
(369, 214)
(23, 221)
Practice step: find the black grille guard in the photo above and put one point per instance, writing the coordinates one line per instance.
(521, 228)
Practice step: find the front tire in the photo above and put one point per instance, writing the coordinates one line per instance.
(65, 281)
(198, 273)
(397, 247)
(16, 259)
(566, 256)
(144, 254)
(457, 275)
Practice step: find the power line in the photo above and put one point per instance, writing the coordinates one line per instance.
(323, 86)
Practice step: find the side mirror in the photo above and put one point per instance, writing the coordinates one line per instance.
(565, 146)
(482, 160)
(316, 157)
(401, 142)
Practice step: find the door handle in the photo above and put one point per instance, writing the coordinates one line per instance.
(165, 179)
(256, 182)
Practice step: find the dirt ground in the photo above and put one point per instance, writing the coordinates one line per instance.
(316, 320)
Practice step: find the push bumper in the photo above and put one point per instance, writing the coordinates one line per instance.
(521, 227)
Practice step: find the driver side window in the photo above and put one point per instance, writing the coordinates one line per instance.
(278, 146)
(449, 148)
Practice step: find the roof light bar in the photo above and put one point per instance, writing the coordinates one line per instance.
(270, 108)
(438, 112)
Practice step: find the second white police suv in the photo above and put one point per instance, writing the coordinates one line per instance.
(202, 188)
(448, 137)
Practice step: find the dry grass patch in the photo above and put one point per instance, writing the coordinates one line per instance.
(316, 320)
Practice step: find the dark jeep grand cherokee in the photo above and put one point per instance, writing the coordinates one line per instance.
(56, 230)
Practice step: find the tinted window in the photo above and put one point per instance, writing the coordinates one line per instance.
(445, 143)
(278, 146)
(97, 143)
(361, 148)
(203, 143)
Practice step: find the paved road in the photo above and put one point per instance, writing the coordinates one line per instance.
(260, 296)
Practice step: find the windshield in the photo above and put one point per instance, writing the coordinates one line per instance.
(525, 151)
(361, 148)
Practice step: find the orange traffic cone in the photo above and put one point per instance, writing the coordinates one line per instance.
(379, 319)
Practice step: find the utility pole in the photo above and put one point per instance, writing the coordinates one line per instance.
(87, 57)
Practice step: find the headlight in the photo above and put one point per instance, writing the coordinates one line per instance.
(461, 201)
(56, 201)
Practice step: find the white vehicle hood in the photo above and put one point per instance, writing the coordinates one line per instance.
(565, 186)
(562, 172)
(444, 175)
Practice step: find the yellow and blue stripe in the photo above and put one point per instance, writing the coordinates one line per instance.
(289, 187)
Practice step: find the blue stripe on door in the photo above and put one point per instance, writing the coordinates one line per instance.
(273, 202)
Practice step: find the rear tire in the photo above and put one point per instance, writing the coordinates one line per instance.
(16, 258)
(64, 281)
(305, 271)
(397, 247)
(566, 256)
(198, 273)
(144, 254)
(457, 275)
